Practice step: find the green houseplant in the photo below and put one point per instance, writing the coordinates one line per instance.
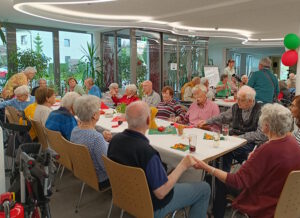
(2, 35)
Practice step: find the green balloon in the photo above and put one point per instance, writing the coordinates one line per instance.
(291, 41)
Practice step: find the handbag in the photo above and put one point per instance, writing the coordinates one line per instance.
(275, 99)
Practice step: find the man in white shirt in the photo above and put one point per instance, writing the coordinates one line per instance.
(151, 97)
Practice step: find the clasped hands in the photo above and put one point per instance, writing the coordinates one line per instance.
(191, 161)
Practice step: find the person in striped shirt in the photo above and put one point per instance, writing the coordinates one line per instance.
(169, 106)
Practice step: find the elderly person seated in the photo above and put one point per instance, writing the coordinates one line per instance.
(186, 90)
(42, 83)
(22, 100)
(45, 98)
(151, 97)
(210, 93)
(202, 108)
(63, 120)
(233, 84)
(17, 80)
(91, 88)
(243, 116)
(169, 106)
(132, 148)
(262, 177)
(295, 109)
(106, 97)
(223, 87)
(244, 80)
(87, 109)
(74, 87)
(129, 96)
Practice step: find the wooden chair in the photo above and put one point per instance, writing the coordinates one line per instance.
(56, 142)
(289, 201)
(40, 132)
(12, 114)
(83, 168)
(129, 189)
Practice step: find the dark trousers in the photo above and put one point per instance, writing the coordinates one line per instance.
(239, 154)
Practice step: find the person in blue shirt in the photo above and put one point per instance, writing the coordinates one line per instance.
(92, 88)
(132, 148)
(264, 82)
(22, 99)
(63, 120)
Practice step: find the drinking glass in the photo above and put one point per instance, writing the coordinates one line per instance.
(216, 135)
(172, 118)
(180, 129)
(192, 142)
(225, 129)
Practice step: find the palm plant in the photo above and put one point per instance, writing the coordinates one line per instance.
(94, 64)
(2, 35)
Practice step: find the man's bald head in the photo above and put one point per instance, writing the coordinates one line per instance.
(137, 115)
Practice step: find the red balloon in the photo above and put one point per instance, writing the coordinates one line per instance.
(289, 58)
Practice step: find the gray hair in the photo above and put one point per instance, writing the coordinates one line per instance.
(244, 76)
(137, 114)
(41, 79)
(278, 118)
(69, 99)
(22, 90)
(248, 91)
(113, 85)
(131, 87)
(86, 106)
(29, 69)
(199, 87)
(266, 62)
(203, 80)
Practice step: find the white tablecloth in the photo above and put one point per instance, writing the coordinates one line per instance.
(205, 149)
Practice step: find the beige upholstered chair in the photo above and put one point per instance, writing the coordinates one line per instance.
(83, 167)
(289, 201)
(40, 132)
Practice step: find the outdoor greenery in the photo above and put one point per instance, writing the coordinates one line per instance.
(2, 35)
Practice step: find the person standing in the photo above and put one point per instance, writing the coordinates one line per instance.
(17, 80)
(229, 70)
(264, 82)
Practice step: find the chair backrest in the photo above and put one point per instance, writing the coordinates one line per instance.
(83, 166)
(129, 188)
(56, 142)
(40, 132)
(12, 114)
(289, 201)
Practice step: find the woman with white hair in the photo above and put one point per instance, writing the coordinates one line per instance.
(264, 82)
(261, 178)
(22, 99)
(87, 109)
(129, 96)
(63, 120)
(17, 80)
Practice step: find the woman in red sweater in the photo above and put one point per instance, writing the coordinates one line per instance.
(129, 96)
(261, 178)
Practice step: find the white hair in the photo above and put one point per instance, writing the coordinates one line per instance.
(131, 87)
(199, 87)
(278, 118)
(266, 62)
(68, 100)
(86, 106)
(248, 91)
(203, 80)
(29, 70)
(22, 90)
(137, 114)
(113, 86)
(41, 79)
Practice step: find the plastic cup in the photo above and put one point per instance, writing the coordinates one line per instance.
(172, 118)
(180, 129)
(192, 142)
(216, 135)
(225, 129)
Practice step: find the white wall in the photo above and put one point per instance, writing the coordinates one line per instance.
(218, 55)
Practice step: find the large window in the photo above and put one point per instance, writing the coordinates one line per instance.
(73, 48)
(38, 45)
(237, 59)
(3, 62)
